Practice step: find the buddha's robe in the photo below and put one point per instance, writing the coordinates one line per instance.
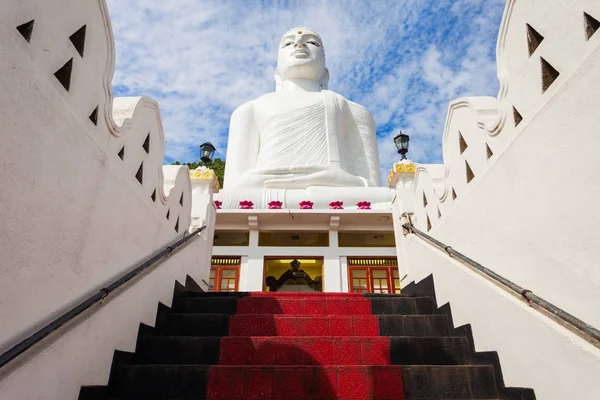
(330, 135)
(329, 143)
(298, 137)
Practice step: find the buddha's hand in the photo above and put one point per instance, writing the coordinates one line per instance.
(302, 177)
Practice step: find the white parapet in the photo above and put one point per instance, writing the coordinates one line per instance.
(517, 192)
(84, 195)
(204, 185)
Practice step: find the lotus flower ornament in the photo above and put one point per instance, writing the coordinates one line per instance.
(246, 205)
(364, 205)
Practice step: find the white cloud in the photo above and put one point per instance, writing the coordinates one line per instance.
(402, 59)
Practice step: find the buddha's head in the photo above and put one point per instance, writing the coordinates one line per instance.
(301, 56)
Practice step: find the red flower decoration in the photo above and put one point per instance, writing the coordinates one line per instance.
(275, 205)
(336, 205)
(218, 204)
(364, 205)
(306, 205)
(246, 205)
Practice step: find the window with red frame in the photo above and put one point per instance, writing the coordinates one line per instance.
(373, 276)
(224, 275)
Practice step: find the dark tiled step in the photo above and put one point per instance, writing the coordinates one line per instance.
(315, 295)
(94, 393)
(152, 382)
(304, 305)
(268, 382)
(323, 351)
(514, 393)
(199, 305)
(429, 350)
(160, 382)
(382, 305)
(292, 325)
(449, 382)
(178, 350)
(413, 325)
(190, 293)
(175, 324)
(344, 351)
(277, 350)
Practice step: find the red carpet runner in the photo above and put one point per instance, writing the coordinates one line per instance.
(301, 346)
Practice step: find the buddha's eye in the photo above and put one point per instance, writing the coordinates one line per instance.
(286, 44)
(313, 43)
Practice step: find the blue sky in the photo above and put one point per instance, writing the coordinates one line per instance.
(402, 59)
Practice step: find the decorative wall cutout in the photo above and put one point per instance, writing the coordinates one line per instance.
(470, 174)
(517, 116)
(168, 213)
(534, 39)
(486, 121)
(489, 151)
(591, 25)
(117, 121)
(177, 225)
(146, 144)
(78, 40)
(461, 143)
(94, 116)
(428, 224)
(549, 74)
(64, 74)
(139, 175)
(26, 30)
(424, 200)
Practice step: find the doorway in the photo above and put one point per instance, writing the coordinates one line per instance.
(293, 274)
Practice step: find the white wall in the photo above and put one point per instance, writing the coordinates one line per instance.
(73, 215)
(80, 353)
(531, 212)
(534, 351)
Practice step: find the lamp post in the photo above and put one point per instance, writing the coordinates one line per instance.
(207, 150)
(401, 140)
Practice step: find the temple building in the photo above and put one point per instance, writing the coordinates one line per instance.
(319, 204)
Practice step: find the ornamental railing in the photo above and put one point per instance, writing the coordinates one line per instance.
(588, 332)
(25, 344)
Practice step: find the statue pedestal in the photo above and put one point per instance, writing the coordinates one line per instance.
(379, 197)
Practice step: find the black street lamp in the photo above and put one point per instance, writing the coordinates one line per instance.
(206, 152)
(401, 141)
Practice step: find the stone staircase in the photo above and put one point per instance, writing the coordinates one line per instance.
(305, 346)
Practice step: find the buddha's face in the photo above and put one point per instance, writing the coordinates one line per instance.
(301, 55)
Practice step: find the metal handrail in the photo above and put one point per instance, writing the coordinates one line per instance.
(525, 293)
(25, 344)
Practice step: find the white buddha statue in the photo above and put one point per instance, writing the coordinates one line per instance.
(302, 142)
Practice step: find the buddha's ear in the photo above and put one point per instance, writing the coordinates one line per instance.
(324, 81)
(278, 82)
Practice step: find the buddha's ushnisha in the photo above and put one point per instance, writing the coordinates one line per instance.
(302, 135)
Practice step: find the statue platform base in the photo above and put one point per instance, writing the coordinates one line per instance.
(379, 197)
